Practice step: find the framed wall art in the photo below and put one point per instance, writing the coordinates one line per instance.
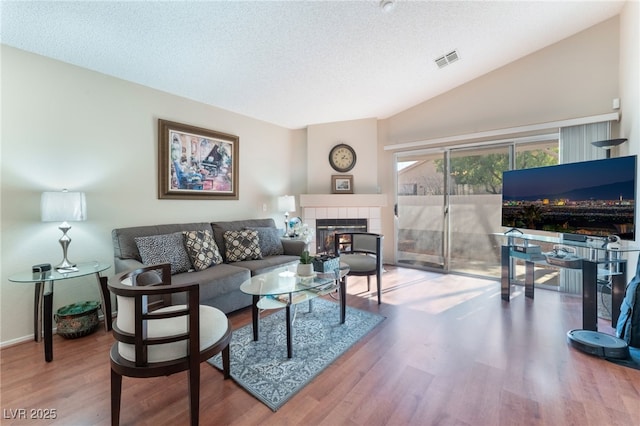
(342, 184)
(196, 163)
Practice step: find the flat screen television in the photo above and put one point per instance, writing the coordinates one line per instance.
(588, 198)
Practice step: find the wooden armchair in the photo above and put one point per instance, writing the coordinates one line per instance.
(160, 342)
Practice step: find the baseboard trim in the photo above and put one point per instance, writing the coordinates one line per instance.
(30, 337)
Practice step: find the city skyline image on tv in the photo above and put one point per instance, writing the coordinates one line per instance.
(589, 198)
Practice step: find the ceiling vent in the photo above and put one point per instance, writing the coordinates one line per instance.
(447, 59)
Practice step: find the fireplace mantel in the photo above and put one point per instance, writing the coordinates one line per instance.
(343, 200)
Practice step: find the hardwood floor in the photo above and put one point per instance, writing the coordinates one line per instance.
(450, 352)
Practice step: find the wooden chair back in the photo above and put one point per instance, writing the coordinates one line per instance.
(156, 341)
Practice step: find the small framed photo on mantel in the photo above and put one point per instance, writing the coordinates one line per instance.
(342, 184)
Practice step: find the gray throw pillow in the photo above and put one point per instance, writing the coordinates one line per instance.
(242, 245)
(166, 248)
(269, 240)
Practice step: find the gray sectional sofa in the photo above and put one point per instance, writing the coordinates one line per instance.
(237, 259)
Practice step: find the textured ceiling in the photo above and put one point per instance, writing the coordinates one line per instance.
(295, 63)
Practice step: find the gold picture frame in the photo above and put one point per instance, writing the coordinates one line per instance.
(342, 184)
(196, 163)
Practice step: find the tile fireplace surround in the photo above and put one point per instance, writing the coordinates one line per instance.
(342, 206)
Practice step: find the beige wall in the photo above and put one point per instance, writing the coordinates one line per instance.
(576, 77)
(361, 135)
(67, 127)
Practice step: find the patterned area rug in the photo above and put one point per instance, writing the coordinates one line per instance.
(264, 370)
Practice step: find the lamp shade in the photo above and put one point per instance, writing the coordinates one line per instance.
(63, 206)
(287, 203)
(609, 143)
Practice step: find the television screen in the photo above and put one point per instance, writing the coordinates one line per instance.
(589, 198)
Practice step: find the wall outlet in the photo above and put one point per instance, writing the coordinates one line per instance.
(264, 207)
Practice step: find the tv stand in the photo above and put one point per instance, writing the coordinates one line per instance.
(599, 256)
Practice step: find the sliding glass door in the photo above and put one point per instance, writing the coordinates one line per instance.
(449, 204)
(475, 209)
(420, 208)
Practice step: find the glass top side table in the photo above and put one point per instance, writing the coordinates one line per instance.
(43, 298)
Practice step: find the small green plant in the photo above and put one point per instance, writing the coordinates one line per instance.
(306, 258)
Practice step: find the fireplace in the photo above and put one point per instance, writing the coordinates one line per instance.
(317, 208)
(327, 228)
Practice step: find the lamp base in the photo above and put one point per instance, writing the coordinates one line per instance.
(286, 224)
(65, 264)
(64, 242)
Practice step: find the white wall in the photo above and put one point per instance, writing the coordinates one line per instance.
(630, 93)
(629, 81)
(68, 127)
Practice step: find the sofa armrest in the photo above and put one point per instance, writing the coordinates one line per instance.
(125, 265)
(293, 247)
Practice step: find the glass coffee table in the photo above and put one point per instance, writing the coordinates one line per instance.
(282, 288)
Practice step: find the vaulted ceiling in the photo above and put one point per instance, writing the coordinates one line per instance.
(296, 63)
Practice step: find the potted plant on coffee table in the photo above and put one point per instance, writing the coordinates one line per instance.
(305, 267)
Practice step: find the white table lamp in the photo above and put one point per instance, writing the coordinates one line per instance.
(63, 207)
(286, 204)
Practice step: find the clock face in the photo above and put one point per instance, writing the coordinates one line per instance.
(342, 158)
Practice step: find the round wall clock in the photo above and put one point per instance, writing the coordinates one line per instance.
(342, 158)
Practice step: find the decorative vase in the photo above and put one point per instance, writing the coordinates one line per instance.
(305, 270)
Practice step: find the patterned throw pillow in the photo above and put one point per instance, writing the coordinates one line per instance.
(166, 248)
(269, 240)
(202, 249)
(242, 245)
